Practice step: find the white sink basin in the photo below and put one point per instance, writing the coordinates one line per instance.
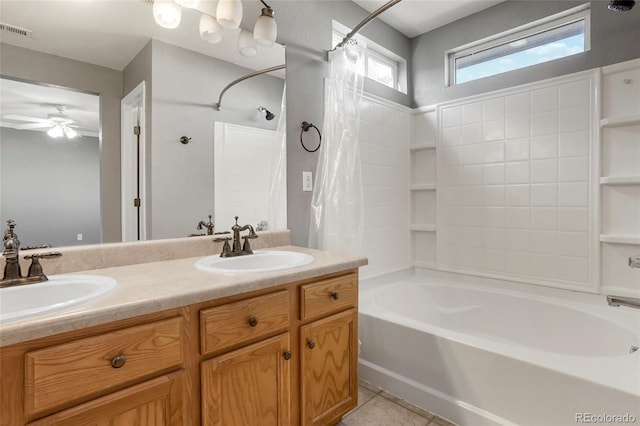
(61, 291)
(259, 261)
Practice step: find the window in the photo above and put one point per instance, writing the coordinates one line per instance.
(381, 64)
(554, 37)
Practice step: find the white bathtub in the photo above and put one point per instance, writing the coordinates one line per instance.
(488, 352)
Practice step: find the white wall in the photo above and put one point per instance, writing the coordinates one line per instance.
(539, 183)
(515, 183)
(384, 147)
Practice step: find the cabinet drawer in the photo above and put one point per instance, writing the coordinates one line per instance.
(234, 323)
(86, 367)
(328, 296)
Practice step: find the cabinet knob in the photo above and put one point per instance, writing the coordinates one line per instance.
(311, 344)
(118, 361)
(253, 321)
(287, 355)
(335, 295)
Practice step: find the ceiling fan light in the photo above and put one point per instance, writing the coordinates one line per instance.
(229, 13)
(265, 30)
(247, 44)
(189, 4)
(210, 30)
(55, 132)
(167, 13)
(69, 132)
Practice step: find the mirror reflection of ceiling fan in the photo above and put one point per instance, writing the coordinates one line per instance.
(59, 124)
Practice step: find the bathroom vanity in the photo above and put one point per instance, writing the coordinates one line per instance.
(277, 348)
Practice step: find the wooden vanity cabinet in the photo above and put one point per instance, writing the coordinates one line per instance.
(122, 373)
(281, 356)
(329, 350)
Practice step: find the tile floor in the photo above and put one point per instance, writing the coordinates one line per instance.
(379, 408)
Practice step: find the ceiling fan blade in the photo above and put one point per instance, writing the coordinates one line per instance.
(31, 126)
(25, 118)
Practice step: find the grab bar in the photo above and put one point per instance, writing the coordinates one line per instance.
(630, 302)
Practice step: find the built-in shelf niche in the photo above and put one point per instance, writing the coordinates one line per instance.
(423, 188)
(620, 178)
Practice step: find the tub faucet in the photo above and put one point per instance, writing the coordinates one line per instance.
(12, 272)
(634, 262)
(630, 302)
(237, 249)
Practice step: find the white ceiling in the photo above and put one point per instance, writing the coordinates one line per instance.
(415, 17)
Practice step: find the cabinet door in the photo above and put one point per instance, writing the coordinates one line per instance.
(153, 403)
(329, 360)
(249, 386)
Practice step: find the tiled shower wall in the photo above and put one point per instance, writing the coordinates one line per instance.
(516, 192)
(384, 148)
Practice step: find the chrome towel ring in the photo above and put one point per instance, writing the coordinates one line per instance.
(305, 128)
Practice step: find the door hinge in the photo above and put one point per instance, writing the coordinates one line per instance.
(136, 202)
(136, 130)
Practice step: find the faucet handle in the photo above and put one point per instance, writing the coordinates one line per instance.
(246, 247)
(226, 248)
(35, 270)
(47, 255)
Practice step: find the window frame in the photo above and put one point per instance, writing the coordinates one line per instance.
(549, 23)
(378, 54)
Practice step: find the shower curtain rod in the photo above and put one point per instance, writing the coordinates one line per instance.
(218, 105)
(365, 21)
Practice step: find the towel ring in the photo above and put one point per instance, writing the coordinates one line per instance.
(305, 128)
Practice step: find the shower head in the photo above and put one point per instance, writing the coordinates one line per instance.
(621, 5)
(268, 114)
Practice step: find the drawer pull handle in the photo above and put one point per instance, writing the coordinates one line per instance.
(118, 361)
(335, 295)
(311, 344)
(287, 355)
(253, 321)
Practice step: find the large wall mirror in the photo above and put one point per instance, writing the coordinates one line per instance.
(98, 69)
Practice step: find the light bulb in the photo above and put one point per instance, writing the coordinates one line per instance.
(247, 44)
(190, 4)
(55, 132)
(167, 13)
(69, 132)
(229, 13)
(210, 30)
(265, 30)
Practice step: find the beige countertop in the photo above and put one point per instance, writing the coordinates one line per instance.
(155, 286)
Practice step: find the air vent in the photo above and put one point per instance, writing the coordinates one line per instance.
(15, 30)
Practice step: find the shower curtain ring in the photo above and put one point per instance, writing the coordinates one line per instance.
(305, 128)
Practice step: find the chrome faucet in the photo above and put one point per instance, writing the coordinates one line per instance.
(12, 272)
(630, 302)
(237, 249)
(208, 225)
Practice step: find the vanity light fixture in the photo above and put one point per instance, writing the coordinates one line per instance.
(247, 44)
(167, 13)
(265, 30)
(210, 30)
(229, 13)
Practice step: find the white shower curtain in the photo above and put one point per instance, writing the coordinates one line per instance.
(337, 213)
(277, 207)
